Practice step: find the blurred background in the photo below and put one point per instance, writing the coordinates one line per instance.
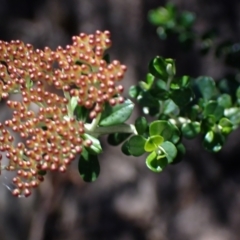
(197, 199)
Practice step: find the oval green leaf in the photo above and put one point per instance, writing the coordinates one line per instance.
(226, 126)
(170, 151)
(225, 100)
(164, 128)
(136, 145)
(213, 108)
(156, 164)
(88, 166)
(213, 142)
(206, 86)
(141, 125)
(124, 149)
(153, 142)
(191, 130)
(117, 114)
(182, 97)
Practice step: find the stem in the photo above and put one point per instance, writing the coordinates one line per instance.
(121, 128)
(170, 78)
(94, 123)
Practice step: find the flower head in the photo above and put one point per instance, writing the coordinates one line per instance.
(46, 81)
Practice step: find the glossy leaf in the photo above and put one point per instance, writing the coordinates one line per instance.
(181, 82)
(170, 151)
(88, 166)
(226, 126)
(117, 114)
(144, 86)
(194, 112)
(206, 86)
(169, 107)
(182, 96)
(156, 163)
(159, 91)
(213, 108)
(153, 143)
(213, 141)
(233, 114)
(141, 125)
(150, 79)
(135, 145)
(225, 100)
(208, 123)
(134, 91)
(191, 130)
(124, 148)
(157, 68)
(81, 113)
(164, 128)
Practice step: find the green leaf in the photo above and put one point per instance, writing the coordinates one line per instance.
(141, 125)
(134, 91)
(213, 108)
(156, 163)
(194, 112)
(157, 68)
(96, 147)
(180, 153)
(163, 15)
(191, 130)
(88, 166)
(208, 123)
(115, 139)
(169, 107)
(226, 126)
(182, 96)
(181, 82)
(150, 79)
(225, 100)
(117, 114)
(213, 142)
(136, 145)
(170, 151)
(159, 91)
(206, 87)
(234, 115)
(187, 19)
(164, 128)
(153, 143)
(81, 113)
(144, 86)
(238, 95)
(149, 103)
(124, 148)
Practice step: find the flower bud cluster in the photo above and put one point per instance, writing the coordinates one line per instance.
(51, 137)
